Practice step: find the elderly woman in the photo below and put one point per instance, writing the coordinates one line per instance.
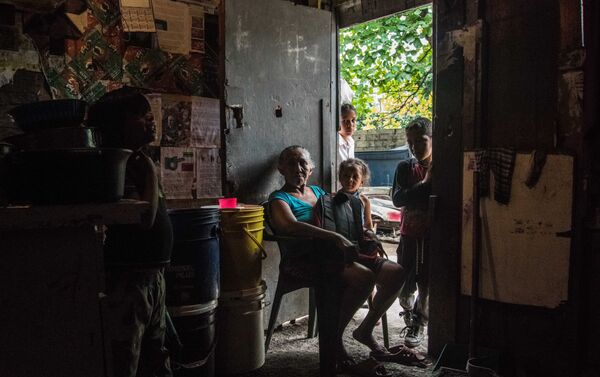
(291, 210)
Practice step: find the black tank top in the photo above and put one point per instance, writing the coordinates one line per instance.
(129, 245)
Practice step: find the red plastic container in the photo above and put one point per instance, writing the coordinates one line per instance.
(228, 203)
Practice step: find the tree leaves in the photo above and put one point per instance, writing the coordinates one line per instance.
(388, 65)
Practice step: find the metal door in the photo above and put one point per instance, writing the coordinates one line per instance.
(279, 85)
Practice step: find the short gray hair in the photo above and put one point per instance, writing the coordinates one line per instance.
(284, 155)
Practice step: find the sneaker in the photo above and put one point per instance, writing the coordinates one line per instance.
(414, 336)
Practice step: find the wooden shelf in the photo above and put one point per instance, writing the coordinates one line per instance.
(71, 215)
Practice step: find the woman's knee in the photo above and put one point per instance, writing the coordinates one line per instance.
(392, 275)
(359, 276)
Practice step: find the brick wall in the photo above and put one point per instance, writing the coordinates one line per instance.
(379, 140)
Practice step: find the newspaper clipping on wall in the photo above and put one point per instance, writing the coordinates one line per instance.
(178, 172)
(206, 124)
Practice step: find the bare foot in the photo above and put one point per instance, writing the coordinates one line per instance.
(368, 340)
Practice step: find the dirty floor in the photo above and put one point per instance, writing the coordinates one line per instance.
(291, 354)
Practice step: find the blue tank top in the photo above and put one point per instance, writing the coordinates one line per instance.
(301, 209)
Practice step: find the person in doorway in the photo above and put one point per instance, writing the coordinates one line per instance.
(330, 259)
(347, 129)
(411, 190)
(135, 255)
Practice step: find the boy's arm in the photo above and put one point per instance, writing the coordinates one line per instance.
(402, 193)
(143, 173)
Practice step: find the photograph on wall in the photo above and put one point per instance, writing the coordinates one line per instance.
(208, 173)
(177, 171)
(206, 123)
(176, 121)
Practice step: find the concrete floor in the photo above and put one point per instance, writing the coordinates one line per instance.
(292, 354)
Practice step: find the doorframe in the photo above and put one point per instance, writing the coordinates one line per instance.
(444, 268)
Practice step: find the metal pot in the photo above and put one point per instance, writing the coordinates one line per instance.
(68, 176)
(58, 138)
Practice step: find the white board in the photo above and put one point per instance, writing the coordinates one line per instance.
(525, 251)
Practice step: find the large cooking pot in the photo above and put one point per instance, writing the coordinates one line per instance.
(58, 138)
(68, 176)
(49, 114)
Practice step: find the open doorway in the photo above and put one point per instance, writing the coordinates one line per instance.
(386, 73)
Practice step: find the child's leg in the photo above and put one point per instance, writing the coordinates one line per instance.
(421, 308)
(389, 280)
(125, 319)
(154, 357)
(407, 258)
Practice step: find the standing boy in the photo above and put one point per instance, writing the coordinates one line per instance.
(135, 255)
(411, 190)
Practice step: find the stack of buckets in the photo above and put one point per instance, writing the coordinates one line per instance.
(193, 289)
(240, 330)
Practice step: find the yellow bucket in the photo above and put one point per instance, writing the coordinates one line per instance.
(242, 251)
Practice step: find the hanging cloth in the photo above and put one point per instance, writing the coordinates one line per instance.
(501, 162)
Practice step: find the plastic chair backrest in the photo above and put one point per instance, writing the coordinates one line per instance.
(284, 243)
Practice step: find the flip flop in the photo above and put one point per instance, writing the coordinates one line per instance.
(366, 368)
(402, 355)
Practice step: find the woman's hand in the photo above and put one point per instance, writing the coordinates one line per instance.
(342, 242)
(349, 250)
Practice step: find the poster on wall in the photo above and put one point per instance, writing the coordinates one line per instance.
(197, 29)
(172, 26)
(177, 171)
(176, 121)
(140, 64)
(206, 124)
(208, 173)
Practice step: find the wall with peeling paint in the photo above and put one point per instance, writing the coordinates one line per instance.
(278, 90)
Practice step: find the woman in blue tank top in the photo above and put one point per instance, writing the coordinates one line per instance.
(291, 213)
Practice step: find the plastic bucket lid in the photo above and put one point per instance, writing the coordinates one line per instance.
(198, 212)
(250, 294)
(190, 310)
(243, 209)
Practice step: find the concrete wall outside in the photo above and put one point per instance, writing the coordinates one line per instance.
(379, 140)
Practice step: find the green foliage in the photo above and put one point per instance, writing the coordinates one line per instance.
(388, 65)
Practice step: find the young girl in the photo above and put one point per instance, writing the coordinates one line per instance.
(388, 275)
(353, 173)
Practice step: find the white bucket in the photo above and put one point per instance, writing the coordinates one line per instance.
(240, 331)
